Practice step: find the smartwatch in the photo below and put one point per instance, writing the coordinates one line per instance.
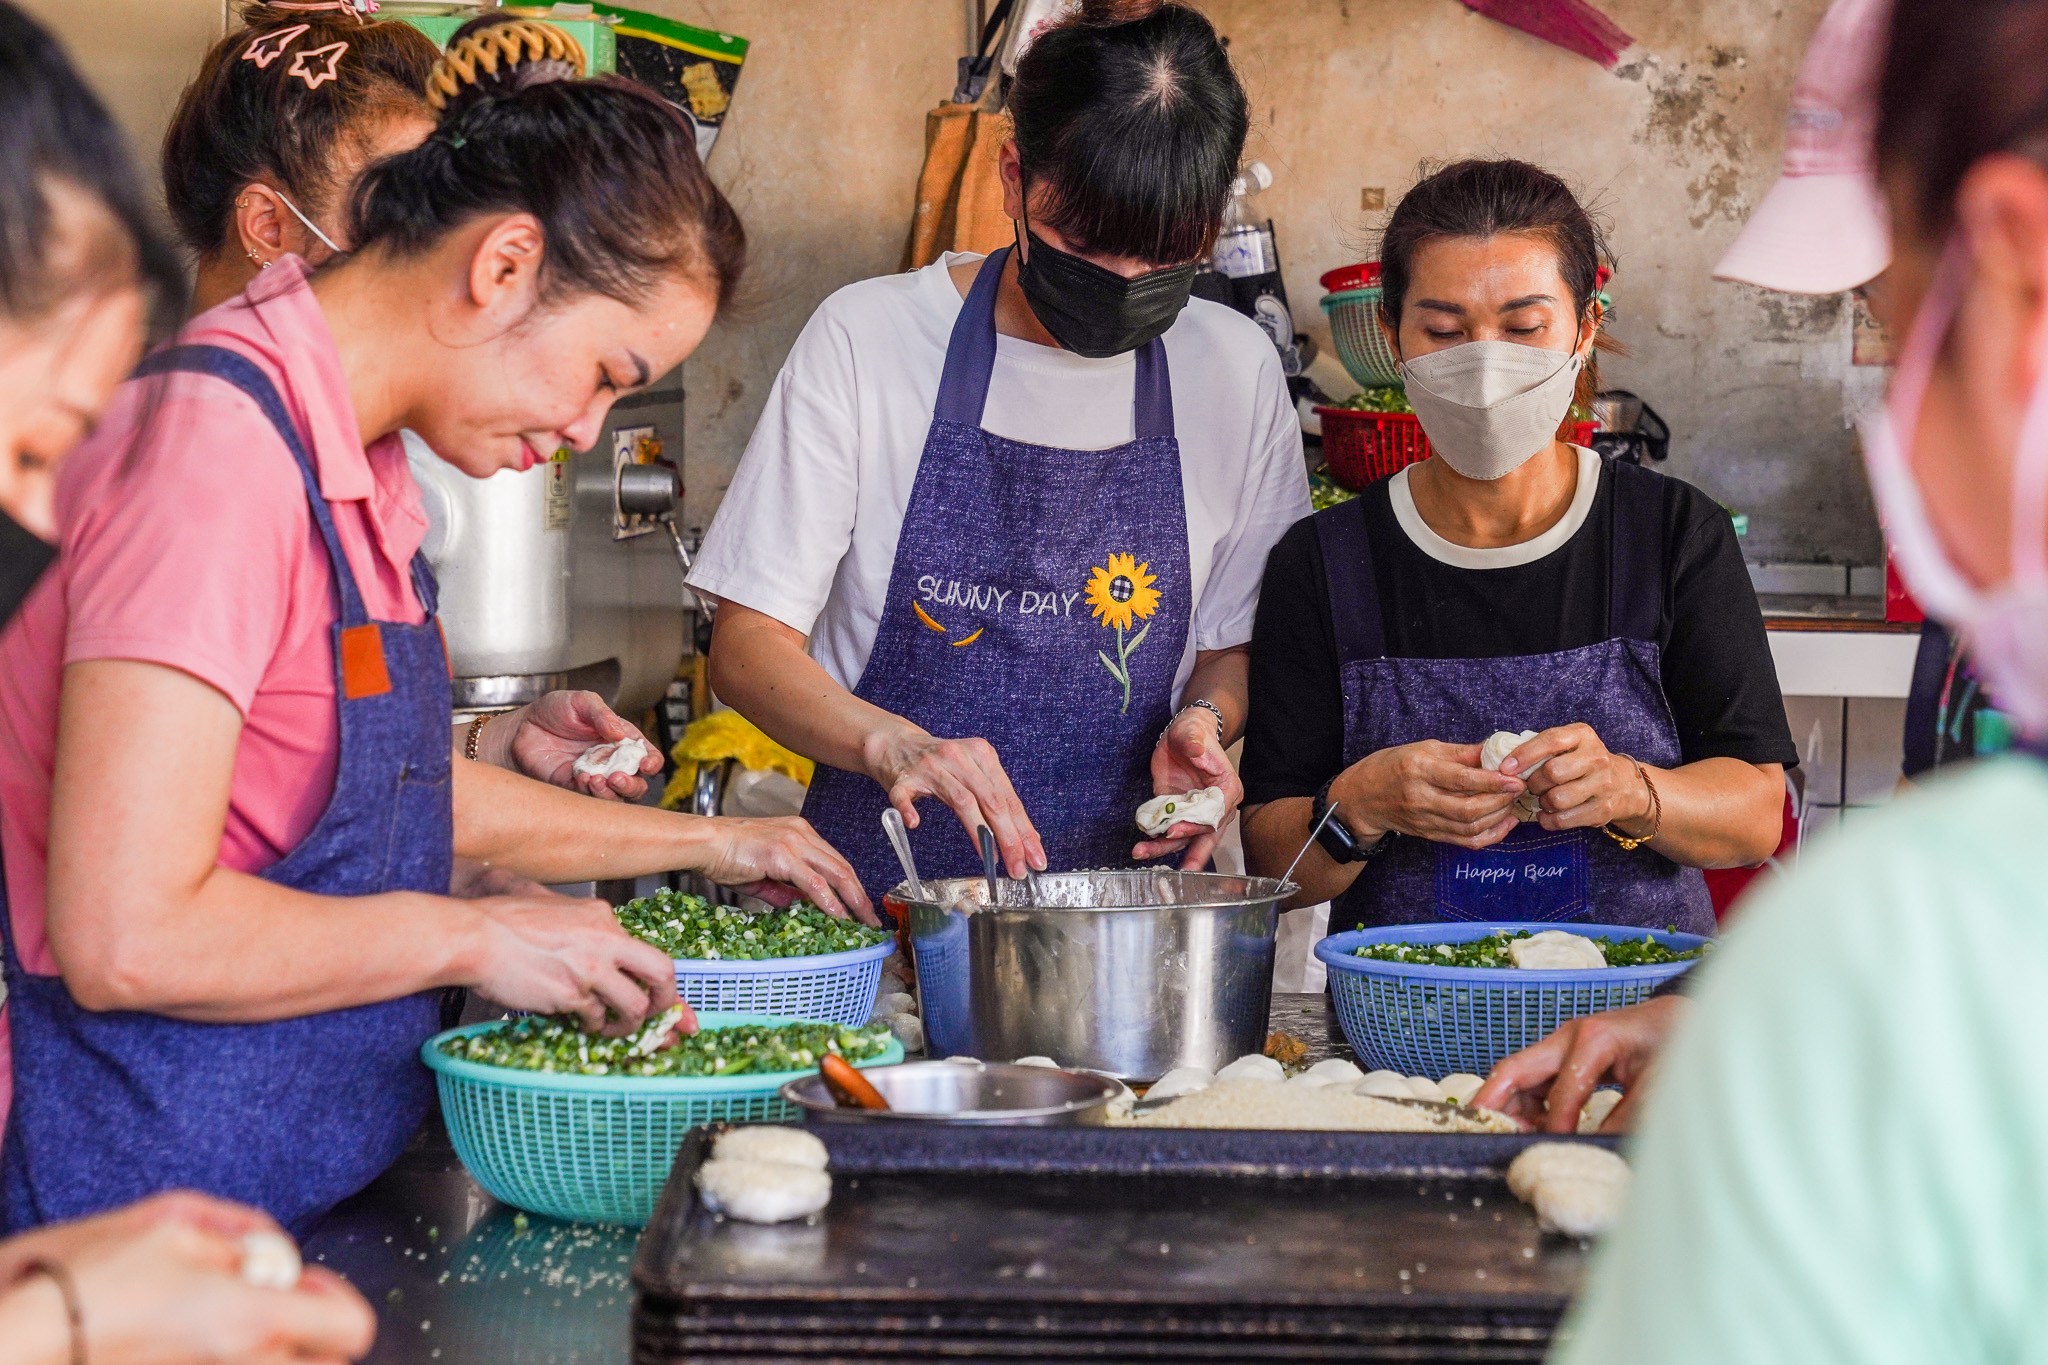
(1336, 837)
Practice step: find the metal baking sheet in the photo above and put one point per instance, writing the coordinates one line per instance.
(1086, 1243)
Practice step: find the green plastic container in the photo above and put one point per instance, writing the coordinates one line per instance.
(595, 1149)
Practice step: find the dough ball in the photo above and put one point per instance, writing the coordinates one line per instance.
(898, 1002)
(763, 1191)
(1582, 1204)
(270, 1260)
(1461, 1086)
(1182, 1080)
(1162, 813)
(1388, 1085)
(1555, 950)
(1499, 745)
(1309, 1080)
(1335, 1071)
(909, 1031)
(607, 760)
(766, 1142)
(1253, 1066)
(1598, 1106)
(1423, 1088)
(1038, 1061)
(1540, 1161)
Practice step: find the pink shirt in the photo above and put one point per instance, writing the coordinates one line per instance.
(188, 542)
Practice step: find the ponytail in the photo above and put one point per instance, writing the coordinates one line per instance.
(608, 168)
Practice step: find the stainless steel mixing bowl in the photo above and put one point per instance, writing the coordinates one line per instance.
(966, 1092)
(1132, 973)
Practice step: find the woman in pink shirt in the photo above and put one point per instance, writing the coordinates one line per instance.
(227, 807)
(258, 164)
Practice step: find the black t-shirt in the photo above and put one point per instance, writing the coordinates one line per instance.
(1716, 663)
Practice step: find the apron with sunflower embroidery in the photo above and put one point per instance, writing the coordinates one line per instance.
(1039, 600)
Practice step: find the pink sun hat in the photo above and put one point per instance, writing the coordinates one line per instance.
(1823, 227)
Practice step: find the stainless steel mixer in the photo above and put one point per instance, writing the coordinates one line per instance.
(1131, 973)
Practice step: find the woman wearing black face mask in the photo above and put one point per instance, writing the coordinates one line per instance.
(1032, 493)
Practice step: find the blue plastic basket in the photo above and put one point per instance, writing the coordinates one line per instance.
(594, 1148)
(1432, 1021)
(839, 988)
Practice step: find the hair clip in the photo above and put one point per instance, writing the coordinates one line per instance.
(315, 79)
(271, 46)
(359, 8)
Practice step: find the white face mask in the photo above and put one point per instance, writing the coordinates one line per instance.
(2005, 626)
(1489, 406)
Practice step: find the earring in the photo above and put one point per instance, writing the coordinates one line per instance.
(261, 264)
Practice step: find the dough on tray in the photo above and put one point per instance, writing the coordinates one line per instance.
(1461, 1086)
(1182, 1080)
(608, 760)
(1390, 1085)
(1253, 1066)
(1576, 1188)
(768, 1142)
(1162, 813)
(1556, 950)
(1038, 1061)
(763, 1191)
(1328, 1108)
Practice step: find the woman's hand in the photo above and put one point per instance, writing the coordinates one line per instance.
(1189, 757)
(781, 858)
(554, 955)
(543, 740)
(159, 1283)
(911, 765)
(1544, 1087)
(1580, 785)
(1430, 790)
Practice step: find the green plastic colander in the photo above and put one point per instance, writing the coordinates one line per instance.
(595, 1149)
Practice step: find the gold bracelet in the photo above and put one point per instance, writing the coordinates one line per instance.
(476, 732)
(1656, 813)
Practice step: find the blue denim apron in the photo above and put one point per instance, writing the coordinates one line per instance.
(292, 1116)
(1040, 600)
(1614, 686)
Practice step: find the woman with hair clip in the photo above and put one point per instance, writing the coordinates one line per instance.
(1842, 1159)
(258, 164)
(156, 1283)
(1034, 490)
(1511, 582)
(223, 968)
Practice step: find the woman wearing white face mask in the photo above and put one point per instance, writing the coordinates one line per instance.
(1817, 1198)
(1509, 583)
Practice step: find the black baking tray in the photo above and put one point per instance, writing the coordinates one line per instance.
(945, 1242)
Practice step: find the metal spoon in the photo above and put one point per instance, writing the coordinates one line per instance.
(899, 839)
(1289, 873)
(988, 861)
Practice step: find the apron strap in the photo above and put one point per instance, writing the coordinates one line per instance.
(1354, 593)
(971, 360)
(1637, 578)
(246, 375)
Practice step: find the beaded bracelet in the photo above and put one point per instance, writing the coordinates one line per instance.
(476, 732)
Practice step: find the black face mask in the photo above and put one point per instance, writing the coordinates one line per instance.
(1096, 312)
(23, 557)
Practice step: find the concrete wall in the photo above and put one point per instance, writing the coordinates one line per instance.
(822, 149)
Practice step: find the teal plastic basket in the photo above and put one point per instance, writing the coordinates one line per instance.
(1355, 333)
(838, 988)
(595, 1149)
(1432, 1021)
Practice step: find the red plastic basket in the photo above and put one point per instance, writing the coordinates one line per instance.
(1359, 447)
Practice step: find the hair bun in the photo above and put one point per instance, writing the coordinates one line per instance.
(501, 58)
(1106, 13)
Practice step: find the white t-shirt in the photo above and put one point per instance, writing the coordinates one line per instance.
(1505, 556)
(807, 531)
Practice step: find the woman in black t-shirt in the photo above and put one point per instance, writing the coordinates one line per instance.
(1509, 583)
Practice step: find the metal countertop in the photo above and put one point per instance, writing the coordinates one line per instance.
(460, 1279)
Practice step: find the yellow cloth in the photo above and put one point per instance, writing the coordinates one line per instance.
(728, 734)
